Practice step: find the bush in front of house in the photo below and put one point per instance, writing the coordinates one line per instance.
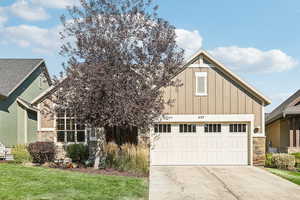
(268, 161)
(20, 153)
(128, 157)
(297, 156)
(78, 152)
(280, 161)
(42, 152)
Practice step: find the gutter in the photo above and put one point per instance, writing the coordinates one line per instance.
(25, 104)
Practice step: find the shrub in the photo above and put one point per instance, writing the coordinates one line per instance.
(42, 152)
(112, 155)
(20, 153)
(297, 157)
(268, 161)
(128, 157)
(78, 152)
(283, 161)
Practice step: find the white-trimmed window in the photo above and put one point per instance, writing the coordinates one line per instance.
(187, 128)
(212, 128)
(201, 83)
(69, 129)
(162, 128)
(238, 128)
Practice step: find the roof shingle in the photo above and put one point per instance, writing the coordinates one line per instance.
(284, 108)
(13, 71)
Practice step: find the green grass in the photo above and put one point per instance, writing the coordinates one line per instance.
(36, 183)
(289, 175)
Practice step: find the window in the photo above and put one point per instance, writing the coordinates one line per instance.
(201, 83)
(60, 136)
(162, 128)
(187, 128)
(238, 128)
(69, 129)
(212, 128)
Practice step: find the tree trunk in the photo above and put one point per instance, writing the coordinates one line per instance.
(99, 154)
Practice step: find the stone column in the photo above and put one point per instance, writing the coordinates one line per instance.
(259, 151)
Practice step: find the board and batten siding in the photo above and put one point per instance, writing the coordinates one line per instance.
(224, 96)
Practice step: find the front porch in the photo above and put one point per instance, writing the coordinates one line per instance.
(294, 134)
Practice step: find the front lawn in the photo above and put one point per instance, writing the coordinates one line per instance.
(289, 175)
(36, 183)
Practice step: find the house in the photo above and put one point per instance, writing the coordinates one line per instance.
(216, 119)
(21, 80)
(283, 126)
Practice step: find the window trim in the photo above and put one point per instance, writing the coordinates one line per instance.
(235, 127)
(159, 128)
(201, 74)
(65, 130)
(209, 128)
(184, 128)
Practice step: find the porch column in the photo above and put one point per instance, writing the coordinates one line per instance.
(297, 138)
(292, 128)
(291, 138)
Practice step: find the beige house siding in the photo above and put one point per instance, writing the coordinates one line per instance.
(284, 134)
(278, 133)
(273, 133)
(224, 96)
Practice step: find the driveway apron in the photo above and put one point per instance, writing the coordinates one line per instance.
(218, 182)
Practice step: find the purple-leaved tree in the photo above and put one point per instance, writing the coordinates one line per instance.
(119, 53)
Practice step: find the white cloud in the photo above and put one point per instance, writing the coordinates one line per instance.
(254, 60)
(39, 39)
(25, 10)
(190, 41)
(56, 3)
(3, 17)
(281, 96)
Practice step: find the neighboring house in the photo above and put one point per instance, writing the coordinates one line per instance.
(216, 119)
(283, 126)
(21, 80)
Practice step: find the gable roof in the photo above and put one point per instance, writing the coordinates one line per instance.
(286, 107)
(221, 67)
(13, 72)
(229, 73)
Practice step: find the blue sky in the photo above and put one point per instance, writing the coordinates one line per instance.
(259, 40)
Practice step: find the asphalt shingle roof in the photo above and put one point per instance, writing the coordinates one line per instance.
(284, 108)
(13, 71)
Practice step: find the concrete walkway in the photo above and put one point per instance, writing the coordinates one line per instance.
(218, 183)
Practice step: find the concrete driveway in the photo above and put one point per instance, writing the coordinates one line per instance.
(218, 182)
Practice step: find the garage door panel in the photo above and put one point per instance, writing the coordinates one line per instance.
(222, 148)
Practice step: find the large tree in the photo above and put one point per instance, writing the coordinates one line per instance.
(119, 53)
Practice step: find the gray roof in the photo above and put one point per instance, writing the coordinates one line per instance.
(14, 71)
(293, 110)
(285, 108)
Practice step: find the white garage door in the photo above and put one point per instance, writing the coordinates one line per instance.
(200, 144)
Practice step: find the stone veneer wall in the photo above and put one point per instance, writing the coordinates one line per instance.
(259, 151)
(46, 136)
(50, 136)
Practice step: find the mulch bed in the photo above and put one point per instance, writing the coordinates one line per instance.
(110, 172)
(3, 161)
